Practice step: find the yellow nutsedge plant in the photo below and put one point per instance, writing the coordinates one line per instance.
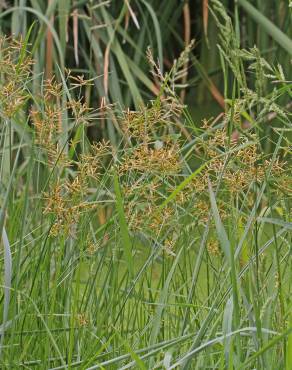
(15, 69)
(66, 201)
(213, 247)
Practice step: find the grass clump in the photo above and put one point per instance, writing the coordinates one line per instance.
(170, 249)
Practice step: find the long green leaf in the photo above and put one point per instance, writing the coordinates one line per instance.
(224, 241)
(280, 37)
(123, 226)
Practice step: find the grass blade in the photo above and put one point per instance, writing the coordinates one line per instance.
(123, 226)
(7, 282)
(280, 37)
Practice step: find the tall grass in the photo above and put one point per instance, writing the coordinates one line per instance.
(168, 243)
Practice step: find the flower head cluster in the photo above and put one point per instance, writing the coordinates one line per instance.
(150, 164)
(15, 67)
(67, 200)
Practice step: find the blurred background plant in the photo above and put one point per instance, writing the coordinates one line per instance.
(107, 41)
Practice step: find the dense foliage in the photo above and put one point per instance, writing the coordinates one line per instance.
(145, 185)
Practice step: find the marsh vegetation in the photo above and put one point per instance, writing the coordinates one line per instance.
(145, 185)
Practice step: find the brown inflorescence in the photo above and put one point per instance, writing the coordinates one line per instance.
(15, 69)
